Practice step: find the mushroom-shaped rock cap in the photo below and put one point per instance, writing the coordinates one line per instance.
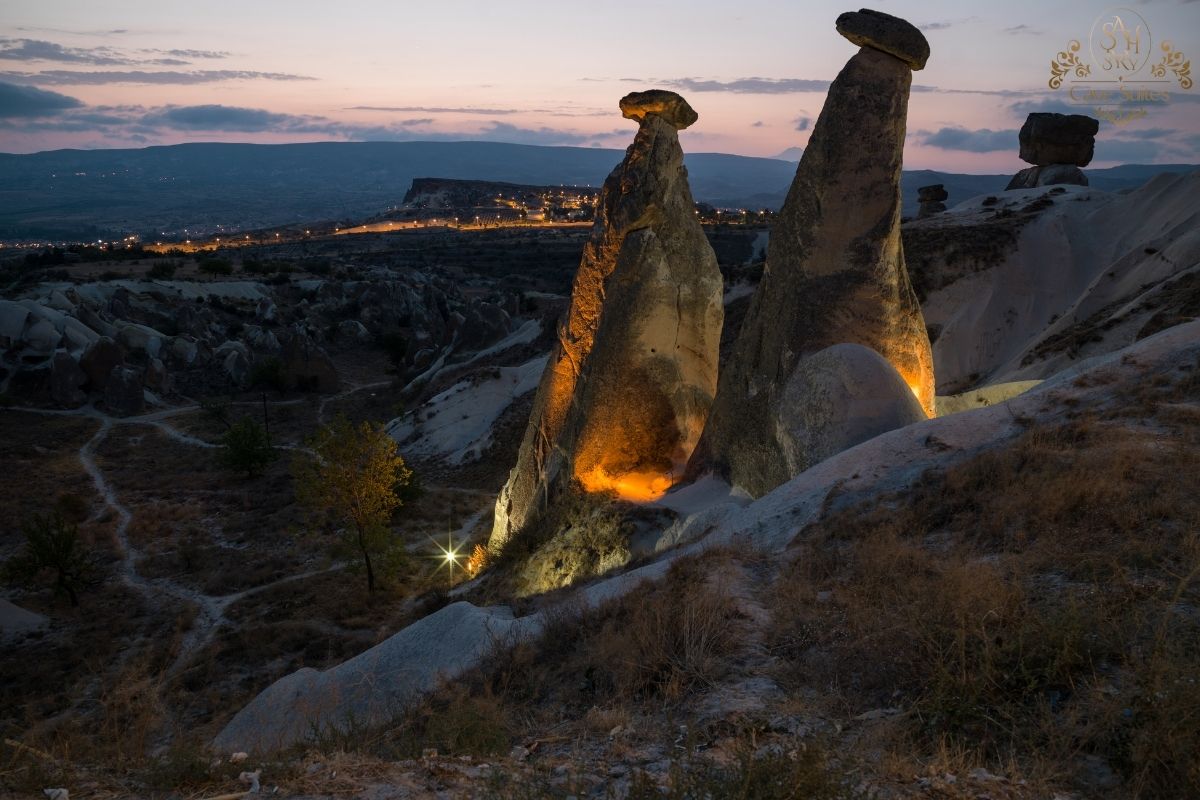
(668, 105)
(892, 35)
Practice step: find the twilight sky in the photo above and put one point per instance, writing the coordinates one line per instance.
(129, 73)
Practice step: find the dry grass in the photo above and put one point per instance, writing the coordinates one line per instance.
(1035, 606)
(40, 457)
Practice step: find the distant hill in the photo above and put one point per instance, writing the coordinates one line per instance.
(72, 193)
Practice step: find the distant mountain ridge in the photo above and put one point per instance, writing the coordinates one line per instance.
(66, 193)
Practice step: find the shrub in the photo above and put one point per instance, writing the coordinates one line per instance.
(246, 448)
(53, 547)
(216, 266)
(162, 270)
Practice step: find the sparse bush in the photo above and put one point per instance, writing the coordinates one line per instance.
(53, 548)
(215, 266)
(162, 270)
(395, 345)
(246, 448)
(253, 266)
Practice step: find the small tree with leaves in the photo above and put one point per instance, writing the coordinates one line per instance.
(246, 448)
(353, 481)
(53, 548)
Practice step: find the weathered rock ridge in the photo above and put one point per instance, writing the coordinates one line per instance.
(835, 270)
(626, 392)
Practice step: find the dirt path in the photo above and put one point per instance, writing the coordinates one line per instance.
(211, 609)
(344, 394)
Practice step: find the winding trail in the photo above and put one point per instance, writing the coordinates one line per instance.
(211, 609)
(342, 395)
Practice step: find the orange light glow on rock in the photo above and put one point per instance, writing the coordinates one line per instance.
(636, 487)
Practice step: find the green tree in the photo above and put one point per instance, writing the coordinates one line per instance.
(396, 347)
(245, 447)
(269, 374)
(52, 545)
(353, 480)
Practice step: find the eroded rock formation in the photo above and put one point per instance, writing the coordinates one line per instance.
(626, 392)
(932, 199)
(835, 270)
(1057, 145)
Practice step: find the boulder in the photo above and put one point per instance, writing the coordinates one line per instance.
(835, 273)
(626, 391)
(40, 336)
(13, 318)
(837, 398)
(369, 689)
(932, 199)
(351, 331)
(94, 321)
(485, 324)
(184, 349)
(892, 35)
(236, 366)
(666, 105)
(77, 337)
(934, 193)
(67, 380)
(123, 393)
(60, 302)
(1033, 177)
(140, 338)
(157, 378)
(1058, 139)
(100, 360)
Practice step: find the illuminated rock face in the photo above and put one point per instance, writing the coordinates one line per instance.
(835, 269)
(627, 390)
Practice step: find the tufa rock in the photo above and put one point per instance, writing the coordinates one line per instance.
(100, 360)
(892, 35)
(931, 199)
(1033, 177)
(668, 105)
(935, 193)
(371, 687)
(67, 380)
(837, 398)
(626, 391)
(157, 378)
(835, 273)
(306, 366)
(1058, 139)
(123, 392)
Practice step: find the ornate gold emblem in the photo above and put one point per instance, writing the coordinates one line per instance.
(1066, 61)
(1175, 61)
(1119, 81)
